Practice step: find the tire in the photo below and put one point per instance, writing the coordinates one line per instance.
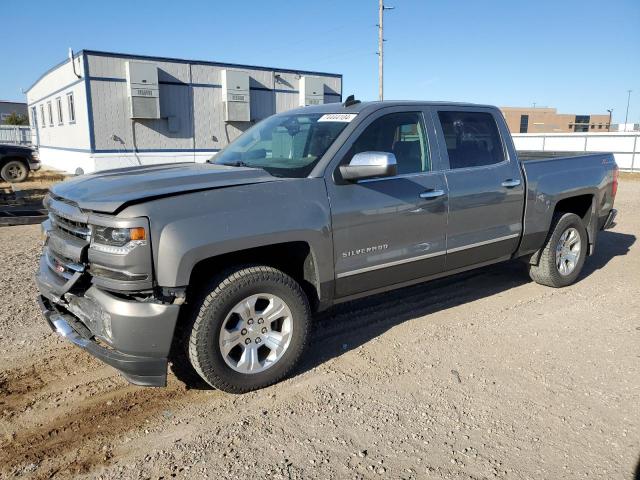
(14, 171)
(221, 317)
(554, 268)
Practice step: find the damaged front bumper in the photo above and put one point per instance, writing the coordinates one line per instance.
(130, 335)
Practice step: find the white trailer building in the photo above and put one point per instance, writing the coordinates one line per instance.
(103, 110)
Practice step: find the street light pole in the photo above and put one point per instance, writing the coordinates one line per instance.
(381, 9)
(626, 117)
(610, 110)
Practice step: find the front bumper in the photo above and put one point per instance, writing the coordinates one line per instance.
(132, 336)
(34, 165)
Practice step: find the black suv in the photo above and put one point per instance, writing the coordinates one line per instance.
(16, 162)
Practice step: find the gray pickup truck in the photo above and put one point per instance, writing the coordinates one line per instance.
(220, 266)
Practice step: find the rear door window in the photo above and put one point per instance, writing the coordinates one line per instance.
(472, 139)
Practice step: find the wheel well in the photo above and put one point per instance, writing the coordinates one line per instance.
(293, 258)
(580, 205)
(6, 160)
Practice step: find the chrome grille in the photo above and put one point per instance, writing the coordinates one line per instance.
(71, 227)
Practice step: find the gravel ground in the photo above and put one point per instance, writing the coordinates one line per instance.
(482, 375)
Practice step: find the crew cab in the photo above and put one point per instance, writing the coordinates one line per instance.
(218, 267)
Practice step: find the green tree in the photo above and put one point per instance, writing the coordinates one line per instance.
(16, 119)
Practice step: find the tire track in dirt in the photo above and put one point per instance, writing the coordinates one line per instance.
(93, 408)
(412, 302)
(19, 386)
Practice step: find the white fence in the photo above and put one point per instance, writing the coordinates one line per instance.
(624, 146)
(20, 135)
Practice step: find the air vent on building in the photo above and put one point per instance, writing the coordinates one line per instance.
(236, 96)
(311, 91)
(142, 89)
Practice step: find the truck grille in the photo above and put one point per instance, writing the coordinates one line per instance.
(72, 227)
(69, 236)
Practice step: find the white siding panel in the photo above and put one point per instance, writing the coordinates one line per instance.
(66, 161)
(55, 79)
(57, 83)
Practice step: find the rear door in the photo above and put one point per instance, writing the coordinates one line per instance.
(486, 189)
(389, 230)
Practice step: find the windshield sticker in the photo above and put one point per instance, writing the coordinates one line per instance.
(337, 117)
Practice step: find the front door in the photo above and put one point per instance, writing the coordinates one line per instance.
(486, 192)
(389, 230)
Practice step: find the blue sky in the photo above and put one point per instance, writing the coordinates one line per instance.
(580, 56)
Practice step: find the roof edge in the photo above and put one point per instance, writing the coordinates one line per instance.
(55, 67)
(205, 62)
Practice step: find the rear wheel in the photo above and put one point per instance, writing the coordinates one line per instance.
(14, 171)
(563, 254)
(249, 330)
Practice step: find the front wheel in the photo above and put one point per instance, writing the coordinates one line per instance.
(14, 171)
(563, 254)
(250, 329)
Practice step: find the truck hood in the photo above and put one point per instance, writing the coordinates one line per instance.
(111, 190)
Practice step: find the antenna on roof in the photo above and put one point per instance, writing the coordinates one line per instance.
(351, 100)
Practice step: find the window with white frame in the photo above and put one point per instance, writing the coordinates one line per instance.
(42, 120)
(71, 107)
(50, 114)
(59, 107)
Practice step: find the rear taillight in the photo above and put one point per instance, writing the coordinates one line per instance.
(616, 174)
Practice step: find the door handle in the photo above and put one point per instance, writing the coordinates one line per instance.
(510, 183)
(432, 194)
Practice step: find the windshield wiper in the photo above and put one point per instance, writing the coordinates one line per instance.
(238, 163)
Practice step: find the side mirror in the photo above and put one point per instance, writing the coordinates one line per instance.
(365, 165)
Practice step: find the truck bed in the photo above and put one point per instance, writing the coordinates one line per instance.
(525, 155)
(550, 179)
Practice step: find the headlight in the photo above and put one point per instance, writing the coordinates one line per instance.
(117, 240)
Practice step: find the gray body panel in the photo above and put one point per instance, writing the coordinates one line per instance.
(554, 179)
(205, 224)
(109, 191)
(364, 237)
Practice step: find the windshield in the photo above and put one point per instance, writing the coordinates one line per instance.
(283, 145)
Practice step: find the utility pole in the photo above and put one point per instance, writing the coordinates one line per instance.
(610, 110)
(381, 9)
(626, 117)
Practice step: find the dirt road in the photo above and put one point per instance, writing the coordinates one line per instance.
(483, 375)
